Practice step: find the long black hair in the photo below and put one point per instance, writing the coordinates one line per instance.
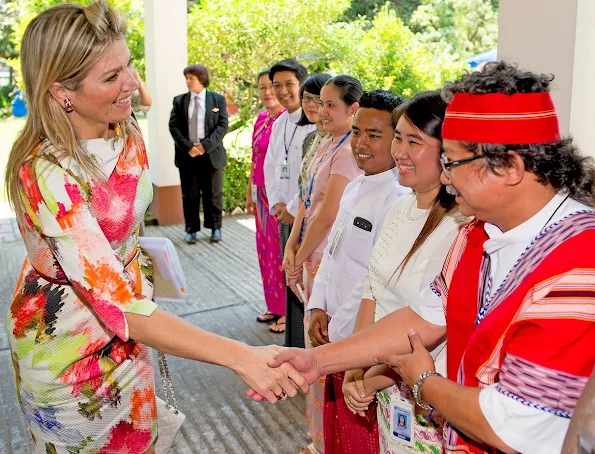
(425, 111)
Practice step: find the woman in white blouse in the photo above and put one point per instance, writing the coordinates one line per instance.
(415, 238)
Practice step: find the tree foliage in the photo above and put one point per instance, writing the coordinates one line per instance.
(369, 8)
(458, 27)
(236, 39)
(25, 10)
(402, 45)
(390, 56)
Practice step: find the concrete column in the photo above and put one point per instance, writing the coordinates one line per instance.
(166, 57)
(557, 37)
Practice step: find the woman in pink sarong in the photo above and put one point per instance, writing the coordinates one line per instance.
(267, 227)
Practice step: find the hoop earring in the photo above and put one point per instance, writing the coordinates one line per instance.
(68, 105)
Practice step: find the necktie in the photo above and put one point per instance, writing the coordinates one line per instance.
(194, 121)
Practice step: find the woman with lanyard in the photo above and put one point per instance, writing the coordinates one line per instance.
(334, 167)
(415, 238)
(257, 203)
(310, 98)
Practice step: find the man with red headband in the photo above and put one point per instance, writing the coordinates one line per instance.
(517, 291)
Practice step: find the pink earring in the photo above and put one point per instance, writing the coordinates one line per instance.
(68, 105)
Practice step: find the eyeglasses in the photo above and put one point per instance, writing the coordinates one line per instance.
(447, 165)
(308, 99)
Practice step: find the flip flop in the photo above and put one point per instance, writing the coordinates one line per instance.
(267, 317)
(277, 327)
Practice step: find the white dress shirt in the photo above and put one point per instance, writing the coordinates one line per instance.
(523, 428)
(285, 148)
(339, 282)
(202, 96)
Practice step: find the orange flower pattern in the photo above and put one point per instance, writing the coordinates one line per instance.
(83, 385)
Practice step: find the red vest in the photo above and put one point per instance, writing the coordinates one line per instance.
(515, 325)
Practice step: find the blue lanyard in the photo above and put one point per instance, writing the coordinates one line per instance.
(325, 157)
(285, 144)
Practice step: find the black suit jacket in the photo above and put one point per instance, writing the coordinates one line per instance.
(215, 128)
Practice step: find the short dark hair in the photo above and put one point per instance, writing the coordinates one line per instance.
(264, 72)
(200, 72)
(558, 164)
(292, 65)
(384, 100)
(350, 89)
(313, 84)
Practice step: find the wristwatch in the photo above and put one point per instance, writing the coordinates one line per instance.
(417, 388)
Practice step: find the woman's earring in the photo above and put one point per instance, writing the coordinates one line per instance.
(68, 105)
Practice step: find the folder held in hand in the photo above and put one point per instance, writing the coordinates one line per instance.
(170, 284)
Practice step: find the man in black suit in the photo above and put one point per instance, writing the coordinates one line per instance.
(198, 122)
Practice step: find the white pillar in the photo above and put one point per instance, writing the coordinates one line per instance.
(166, 57)
(557, 37)
(582, 114)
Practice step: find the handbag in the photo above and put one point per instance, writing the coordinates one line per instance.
(169, 418)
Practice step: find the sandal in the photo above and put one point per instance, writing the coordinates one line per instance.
(267, 317)
(278, 326)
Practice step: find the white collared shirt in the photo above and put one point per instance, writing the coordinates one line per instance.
(282, 138)
(202, 97)
(340, 279)
(519, 426)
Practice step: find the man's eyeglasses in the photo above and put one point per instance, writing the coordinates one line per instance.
(308, 99)
(446, 166)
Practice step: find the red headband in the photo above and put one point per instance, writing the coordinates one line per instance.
(521, 118)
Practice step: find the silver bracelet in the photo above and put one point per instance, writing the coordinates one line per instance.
(417, 389)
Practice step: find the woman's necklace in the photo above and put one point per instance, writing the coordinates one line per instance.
(419, 216)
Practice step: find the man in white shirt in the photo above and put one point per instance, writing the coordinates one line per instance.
(197, 123)
(515, 296)
(339, 282)
(282, 168)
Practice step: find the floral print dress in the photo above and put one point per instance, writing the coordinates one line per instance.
(82, 383)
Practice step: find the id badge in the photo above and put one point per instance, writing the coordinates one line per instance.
(285, 171)
(284, 177)
(401, 420)
(254, 193)
(336, 239)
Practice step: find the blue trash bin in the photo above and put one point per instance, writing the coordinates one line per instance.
(19, 105)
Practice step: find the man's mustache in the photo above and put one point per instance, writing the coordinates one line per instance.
(452, 190)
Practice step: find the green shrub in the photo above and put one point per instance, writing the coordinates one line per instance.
(5, 109)
(235, 177)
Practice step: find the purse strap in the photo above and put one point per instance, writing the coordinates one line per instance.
(168, 386)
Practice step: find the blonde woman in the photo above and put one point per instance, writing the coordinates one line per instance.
(82, 317)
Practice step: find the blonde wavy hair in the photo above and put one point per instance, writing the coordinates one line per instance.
(60, 45)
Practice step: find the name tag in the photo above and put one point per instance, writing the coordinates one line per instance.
(284, 174)
(401, 420)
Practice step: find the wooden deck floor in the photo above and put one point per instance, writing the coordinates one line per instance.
(225, 294)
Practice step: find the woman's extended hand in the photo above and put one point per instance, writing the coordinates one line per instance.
(271, 384)
(354, 392)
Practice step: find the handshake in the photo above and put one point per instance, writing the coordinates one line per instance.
(274, 373)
